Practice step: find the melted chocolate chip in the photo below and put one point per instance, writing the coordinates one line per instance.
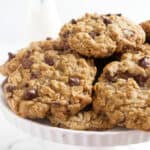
(73, 21)
(30, 94)
(94, 34)
(87, 108)
(26, 85)
(138, 78)
(144, 62)
(48, 38)
(10, 88)
(26, 63)
(49, 61)
(106, 21)
(109, 77)
(66, 34)
(11, 56)
(125, 75)
(141, 79)
(34, 75)
(74, 81)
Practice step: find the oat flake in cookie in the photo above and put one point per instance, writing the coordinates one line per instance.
(85, 120)
(101, 35)
(123, 91)
(47, 80)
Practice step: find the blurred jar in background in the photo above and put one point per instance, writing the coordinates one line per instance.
(28, 20)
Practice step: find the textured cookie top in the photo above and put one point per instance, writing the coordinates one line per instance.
(86, 120)
(101, 35)
(123, 91)
(14, 60)
(125, 75)
(59, 80)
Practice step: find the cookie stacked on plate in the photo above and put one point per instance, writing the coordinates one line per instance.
(96, 76)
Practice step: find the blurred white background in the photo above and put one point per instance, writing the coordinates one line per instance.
(24, 20)
(19, 18)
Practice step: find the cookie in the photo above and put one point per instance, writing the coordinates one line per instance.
(136, 55)
(123, 92)
(100, 36)
(146, 27)
(49, 81)
(14, 60)
(86, 120)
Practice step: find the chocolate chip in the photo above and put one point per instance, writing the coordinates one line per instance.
(10, 88)
(48, 38)
(34, 75)
(73, 21)
(119, 14)
(125, 75)
(26, 85)
(66, 34)
(30, 94)
(74, 81)
(93, 34)
(144, 62)
(87, 108)
(109, 77)
(140, 79)
(49, 61)
(26, 63)
(106, 21)
(11, 56)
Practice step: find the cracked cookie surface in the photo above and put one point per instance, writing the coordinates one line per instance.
(123, 91)
(47, 80)
(101, 35)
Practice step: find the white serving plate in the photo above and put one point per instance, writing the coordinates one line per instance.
(115, 137)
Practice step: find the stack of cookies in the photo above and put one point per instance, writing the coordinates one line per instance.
(95, 76)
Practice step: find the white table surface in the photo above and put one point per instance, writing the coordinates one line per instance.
(12, 138)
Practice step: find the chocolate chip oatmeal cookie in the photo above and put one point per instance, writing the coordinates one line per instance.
(101, 35)
(48, 81)
(123, 91)
(86, 120)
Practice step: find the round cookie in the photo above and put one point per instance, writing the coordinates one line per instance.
(101, 35)
(49, 81)
(146, 27)
(123, 92)
(86, 120)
